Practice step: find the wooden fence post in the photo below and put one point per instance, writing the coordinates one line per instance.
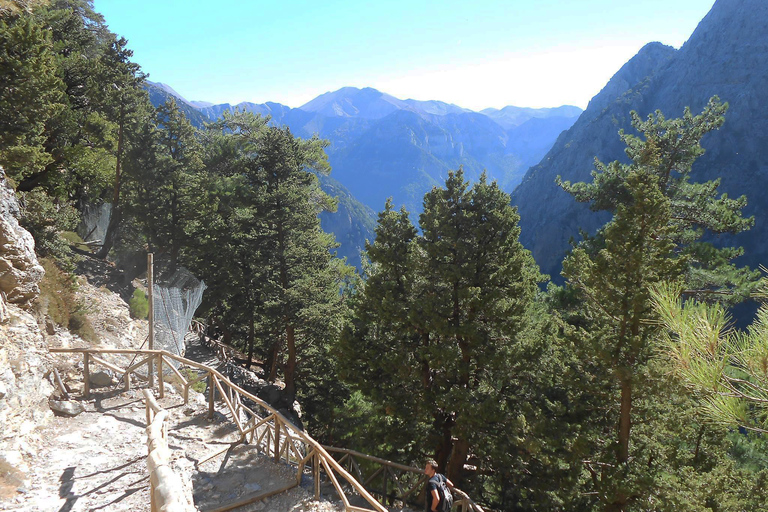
(211, 395)
(160, 380)
(151, 315)
(86, 375)
(316, 474)
(277, 439)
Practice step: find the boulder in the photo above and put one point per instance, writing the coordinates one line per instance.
(20, 272)
(101, 379)
(66, 407)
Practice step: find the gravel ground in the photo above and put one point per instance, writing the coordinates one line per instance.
(96, 460)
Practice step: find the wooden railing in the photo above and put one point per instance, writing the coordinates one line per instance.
(263, 426)
(391, 481)
(258, 422)
(165, 491)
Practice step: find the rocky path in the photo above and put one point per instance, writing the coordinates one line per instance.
(96, 461)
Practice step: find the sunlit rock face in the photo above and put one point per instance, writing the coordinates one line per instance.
(727, 55)
(20, 271)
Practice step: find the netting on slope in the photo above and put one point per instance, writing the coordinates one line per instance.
(95, 220)
(176, 299)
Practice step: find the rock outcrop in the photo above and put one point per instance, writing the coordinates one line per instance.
(24, 389)
(727, 55)
(20, 271)
(24, 359)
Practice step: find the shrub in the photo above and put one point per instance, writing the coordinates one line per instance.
(57, 300)
(57, 293)
(81, 325)
(73, 239)
(45, 218)
(139, 305)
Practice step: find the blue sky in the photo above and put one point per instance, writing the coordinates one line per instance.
(476, 54)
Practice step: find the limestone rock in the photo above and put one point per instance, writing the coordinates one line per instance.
(101, 379)
(24, 391)
(4, 315)
(20, 271)
(66, 407)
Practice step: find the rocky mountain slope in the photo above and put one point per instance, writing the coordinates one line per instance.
(382, 146)
(24, 360)
(727, 55)
(61, 451)
(409, 143)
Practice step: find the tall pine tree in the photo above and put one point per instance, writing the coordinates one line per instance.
(659, 217)
(439, 322)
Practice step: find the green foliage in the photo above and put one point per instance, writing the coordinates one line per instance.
(80, 324)
(665, 155)
(190, 374)
(726, 369)
(444, 334)
(31, 94)
(74, 240)
(654, 236)
(138, 305)
(276, 282)
(57, 293)
(163, 184)
(58, 301)
(46, 218)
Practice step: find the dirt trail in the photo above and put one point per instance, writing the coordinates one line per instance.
(96, 460)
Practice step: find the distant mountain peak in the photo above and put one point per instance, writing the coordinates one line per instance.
(366, 103)
(650, 58)
(510, 116)
(170, 90)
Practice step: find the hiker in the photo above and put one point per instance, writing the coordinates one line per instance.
(436, 482)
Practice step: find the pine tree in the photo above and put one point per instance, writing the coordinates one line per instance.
(439, 323)
(31, 93)
(278, 277)
(658, 220)
(175, 189)
(725, 369)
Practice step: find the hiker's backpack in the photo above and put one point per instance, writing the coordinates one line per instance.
(446, 498)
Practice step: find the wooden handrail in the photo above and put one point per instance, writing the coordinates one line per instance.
(328, 461)
(280, 445)
(165, 489)
(378, 460)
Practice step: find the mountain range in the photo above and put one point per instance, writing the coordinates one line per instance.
(382, 146)
(727, 55)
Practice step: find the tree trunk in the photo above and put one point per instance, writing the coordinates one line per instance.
(273, 359)
(455, 469)
(443, 451)
(290, 366)
(625, 419)
(251, 336)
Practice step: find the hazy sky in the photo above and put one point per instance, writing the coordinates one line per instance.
(474, 53)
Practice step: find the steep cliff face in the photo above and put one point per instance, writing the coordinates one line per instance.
(24, 392)
(727, 55)
(20, 271)
(24, 358)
